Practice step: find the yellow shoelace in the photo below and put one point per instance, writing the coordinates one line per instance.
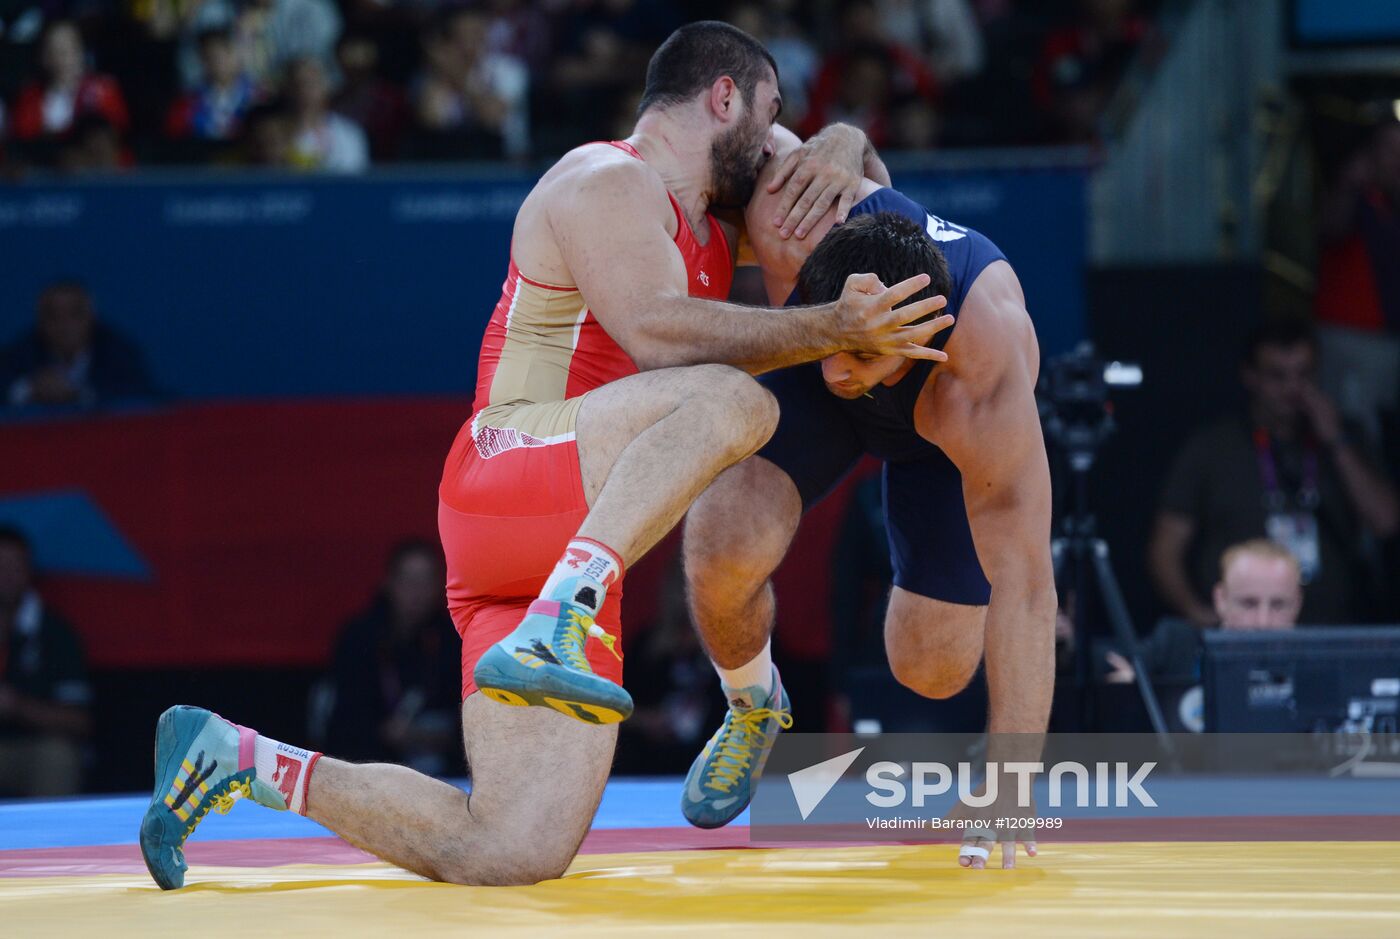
(223, 804)
(576, 633)
(743, 734)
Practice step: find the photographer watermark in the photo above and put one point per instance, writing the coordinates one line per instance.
(912, 787)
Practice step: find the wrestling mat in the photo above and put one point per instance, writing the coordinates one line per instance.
(71, 867)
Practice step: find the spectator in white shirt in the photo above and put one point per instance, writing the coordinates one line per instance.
(321, 138)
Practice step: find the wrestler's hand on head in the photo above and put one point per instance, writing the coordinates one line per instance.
(868, 318)
(827, 168)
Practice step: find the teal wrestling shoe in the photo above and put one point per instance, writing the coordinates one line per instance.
(203, 762)
(722, 779)
(543, 664)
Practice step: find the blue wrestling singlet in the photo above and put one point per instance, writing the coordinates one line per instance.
(820, 437)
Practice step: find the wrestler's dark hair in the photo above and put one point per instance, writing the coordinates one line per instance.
(886, 244)
(697, 55)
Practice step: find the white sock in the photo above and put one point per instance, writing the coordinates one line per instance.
(758, 672)
(592, 560)
(286, 767)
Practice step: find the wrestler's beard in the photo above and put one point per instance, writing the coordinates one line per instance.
(734, 167)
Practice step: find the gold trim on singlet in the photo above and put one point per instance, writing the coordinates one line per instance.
(546, 421)
(542, 328)
(526, 404)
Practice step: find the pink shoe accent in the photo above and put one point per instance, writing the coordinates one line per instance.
(247, 737)
(544, 607)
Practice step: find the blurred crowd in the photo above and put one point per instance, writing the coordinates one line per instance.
(338, 85)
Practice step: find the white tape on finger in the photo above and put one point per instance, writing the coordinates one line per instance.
(974, 850)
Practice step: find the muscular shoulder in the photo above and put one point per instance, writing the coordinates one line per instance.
(591, 188)
(602, 178)
(993, 335)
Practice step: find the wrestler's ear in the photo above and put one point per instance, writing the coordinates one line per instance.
(724, 98)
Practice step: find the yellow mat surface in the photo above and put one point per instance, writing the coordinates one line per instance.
(1273, 890)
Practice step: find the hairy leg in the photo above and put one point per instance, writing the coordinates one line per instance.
(650, 443)
(934, 647)
(736, 535)
(537, 777)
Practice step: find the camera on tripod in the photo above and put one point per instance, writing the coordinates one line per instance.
(1077, 415)
(1074, 404)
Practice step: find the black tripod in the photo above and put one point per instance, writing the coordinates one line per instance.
(1078, 420)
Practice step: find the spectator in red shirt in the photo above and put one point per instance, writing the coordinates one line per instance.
(1358, 282)
(66, 90)
(859, 83)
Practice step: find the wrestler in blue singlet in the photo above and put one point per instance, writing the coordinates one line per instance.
(820, 436)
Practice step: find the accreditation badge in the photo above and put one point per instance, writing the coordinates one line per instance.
(1297, 531)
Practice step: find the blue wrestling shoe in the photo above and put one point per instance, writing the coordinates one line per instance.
(543, 664)
(723, 777)
(203, 762)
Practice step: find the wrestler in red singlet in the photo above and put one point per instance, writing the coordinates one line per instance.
(511, 495)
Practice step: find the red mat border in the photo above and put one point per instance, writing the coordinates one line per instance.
(273, 852)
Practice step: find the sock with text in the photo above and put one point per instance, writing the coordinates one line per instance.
(586, 571)
(286, 767)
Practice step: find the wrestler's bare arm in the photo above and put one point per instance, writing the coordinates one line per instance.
(981, 410)
(613, 228)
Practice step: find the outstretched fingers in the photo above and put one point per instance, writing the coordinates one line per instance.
(926, 307)
(915, 350)
(918, 336)
(897, 294)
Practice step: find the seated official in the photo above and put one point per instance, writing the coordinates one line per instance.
(395, 681)
(1260, 587)
(44, 693)
(70, 358)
